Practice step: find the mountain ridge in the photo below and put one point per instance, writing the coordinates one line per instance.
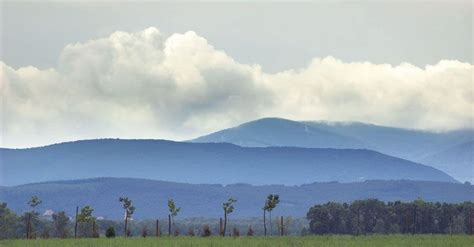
(410, 144)
(205, 163)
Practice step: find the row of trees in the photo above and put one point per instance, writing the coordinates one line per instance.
(375, 216)
(359, 217)
(85, 222)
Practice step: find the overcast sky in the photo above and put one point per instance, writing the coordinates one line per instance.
(177, 70)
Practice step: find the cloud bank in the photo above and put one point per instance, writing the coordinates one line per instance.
(147, 85)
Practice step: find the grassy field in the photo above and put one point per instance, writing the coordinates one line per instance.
(335, 240)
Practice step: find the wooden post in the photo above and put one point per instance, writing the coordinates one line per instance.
(220, 227)
(93, 229)
(270, 222)
(28, 227)
(281, 225)
(75, 224)
(157, 228)
(264, 223)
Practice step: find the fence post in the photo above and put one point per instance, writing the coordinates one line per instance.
(93, 229)
(220, 227)
(157, 228)
(75, 224)
(281, 226)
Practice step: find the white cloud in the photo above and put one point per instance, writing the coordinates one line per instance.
(144, 85)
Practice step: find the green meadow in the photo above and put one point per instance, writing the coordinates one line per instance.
(330, 240)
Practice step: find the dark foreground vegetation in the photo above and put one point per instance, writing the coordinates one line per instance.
(374, 216)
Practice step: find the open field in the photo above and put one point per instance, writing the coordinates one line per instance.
(334, 240)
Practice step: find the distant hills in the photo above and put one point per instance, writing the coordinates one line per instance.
(205, 200)
(415, 145)
(205, 163)
(456, 160)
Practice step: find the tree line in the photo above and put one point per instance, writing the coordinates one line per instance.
(359, 217)
(85, 222)
(375, 216)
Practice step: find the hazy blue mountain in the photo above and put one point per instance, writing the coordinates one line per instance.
(404, 143)
(205, 163)
(456, 161)
(408, 144)
(205, 200)
(269, 132)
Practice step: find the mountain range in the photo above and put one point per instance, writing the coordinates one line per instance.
(205, 200)
(221, 163)
(450, 151)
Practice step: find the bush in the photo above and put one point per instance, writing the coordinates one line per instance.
(206, 231)
(235, 232)
(144, 232)
(250, 231)
(191, 232)
(110, 232)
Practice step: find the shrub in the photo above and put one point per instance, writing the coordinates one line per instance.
(110, 232)
(235, 232)
(250, 231)
(144, 232)
(191, 232)
(206, 231)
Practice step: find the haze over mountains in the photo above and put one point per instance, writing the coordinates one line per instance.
(431, 148)
(301, 157)
(205, 200)
(205, 163)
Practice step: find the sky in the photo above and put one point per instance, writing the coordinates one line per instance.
(84, 70)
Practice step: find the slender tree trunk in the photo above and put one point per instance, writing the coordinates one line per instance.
(75, 223)
(169, 224)
(220, 227)
(126, 224)
(281, 226)
(225, 222)
(264, 223)
(157, 228)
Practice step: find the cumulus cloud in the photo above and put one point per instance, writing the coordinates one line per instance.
(147, 85)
